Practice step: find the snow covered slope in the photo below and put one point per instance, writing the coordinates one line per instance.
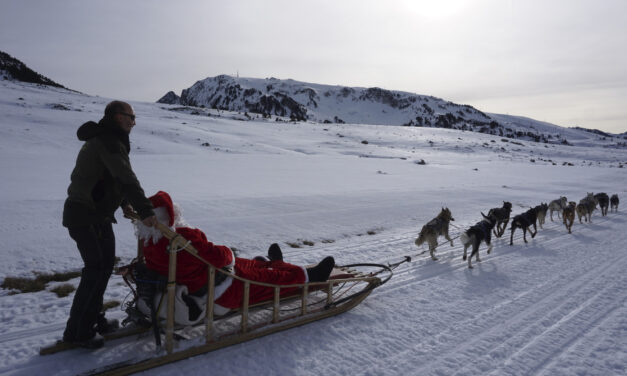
(359, 192)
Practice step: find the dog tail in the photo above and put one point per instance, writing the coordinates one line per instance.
(464, 238)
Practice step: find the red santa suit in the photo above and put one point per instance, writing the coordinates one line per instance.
(192, 272)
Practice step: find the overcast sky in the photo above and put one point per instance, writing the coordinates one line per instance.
(561, 61)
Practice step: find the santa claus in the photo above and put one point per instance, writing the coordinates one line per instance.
(191, 273)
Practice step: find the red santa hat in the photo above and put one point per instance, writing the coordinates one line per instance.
(162, 199)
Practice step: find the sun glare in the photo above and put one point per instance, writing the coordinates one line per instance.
(435, 9)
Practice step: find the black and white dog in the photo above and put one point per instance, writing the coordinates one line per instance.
(480, 232)
(502, 217)
(524, 221)
(604, 202)
(614, 203)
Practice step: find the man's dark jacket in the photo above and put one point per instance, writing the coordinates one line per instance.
(102, 179)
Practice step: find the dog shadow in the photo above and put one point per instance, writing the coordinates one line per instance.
(536, 249)
(484, 278)
(583, 237)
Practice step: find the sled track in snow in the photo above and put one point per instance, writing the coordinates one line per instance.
(555, 316)
(33, 332)
(580, 307)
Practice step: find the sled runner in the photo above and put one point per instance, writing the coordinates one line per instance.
(347, 287)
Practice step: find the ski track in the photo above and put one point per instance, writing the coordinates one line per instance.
(587, 301)
(556, 314)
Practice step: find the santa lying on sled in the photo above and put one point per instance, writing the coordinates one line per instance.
(191, 273)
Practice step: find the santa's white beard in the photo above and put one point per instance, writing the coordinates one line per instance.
(153, 234)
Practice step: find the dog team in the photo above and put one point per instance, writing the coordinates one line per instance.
(497, 219)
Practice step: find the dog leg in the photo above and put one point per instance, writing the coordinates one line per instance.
(525, 233)
(465, 248)
(489, 248)
(511, 238)
(504, 227)
(533, 235)
(432, 246)
(448, 238)
(470, 258)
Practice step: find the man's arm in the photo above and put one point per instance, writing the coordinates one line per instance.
(119, 166)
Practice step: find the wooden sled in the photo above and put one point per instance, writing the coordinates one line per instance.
(346, 288)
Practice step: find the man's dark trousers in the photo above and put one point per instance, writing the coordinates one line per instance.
(96, 243)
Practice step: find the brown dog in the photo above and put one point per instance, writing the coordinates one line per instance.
(436, 227)
(568, 215)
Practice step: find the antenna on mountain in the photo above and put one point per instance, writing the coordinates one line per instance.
(238, 73)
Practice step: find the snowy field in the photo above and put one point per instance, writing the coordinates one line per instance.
(554, 306)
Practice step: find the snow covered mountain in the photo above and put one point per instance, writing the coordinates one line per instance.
(301, 101)
(13, 69)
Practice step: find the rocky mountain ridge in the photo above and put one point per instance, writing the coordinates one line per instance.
(301, 101)
(13, 69)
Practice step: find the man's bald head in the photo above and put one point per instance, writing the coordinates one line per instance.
(122, 114)
(116, 107)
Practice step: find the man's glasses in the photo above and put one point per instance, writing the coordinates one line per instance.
(129, 115)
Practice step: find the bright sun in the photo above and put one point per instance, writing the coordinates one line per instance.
(435, 9)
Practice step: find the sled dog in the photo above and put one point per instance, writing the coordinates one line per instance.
(542, 214)
(604, 202)
(557, 205)
(582, 211)
(524, 221)
(614, 203)
(568, 215)
(502, 216)
(588, 205)
(434, 228)
(480, 232)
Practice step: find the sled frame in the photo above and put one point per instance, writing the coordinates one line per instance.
(246, 332)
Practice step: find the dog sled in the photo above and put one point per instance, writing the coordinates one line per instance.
(346, 288)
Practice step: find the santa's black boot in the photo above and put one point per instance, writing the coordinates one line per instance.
(274, 252)
(322, 271)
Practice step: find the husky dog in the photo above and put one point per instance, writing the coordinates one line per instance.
(557, 205)
(582, 211)
(502, 218)
(434, 228)
(524, 221)
(614, 203)
(568, 215)
(604, 202)
(543, 208)
(587, 205)
(480, 232)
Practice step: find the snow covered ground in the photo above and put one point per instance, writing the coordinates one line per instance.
(554, 306)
